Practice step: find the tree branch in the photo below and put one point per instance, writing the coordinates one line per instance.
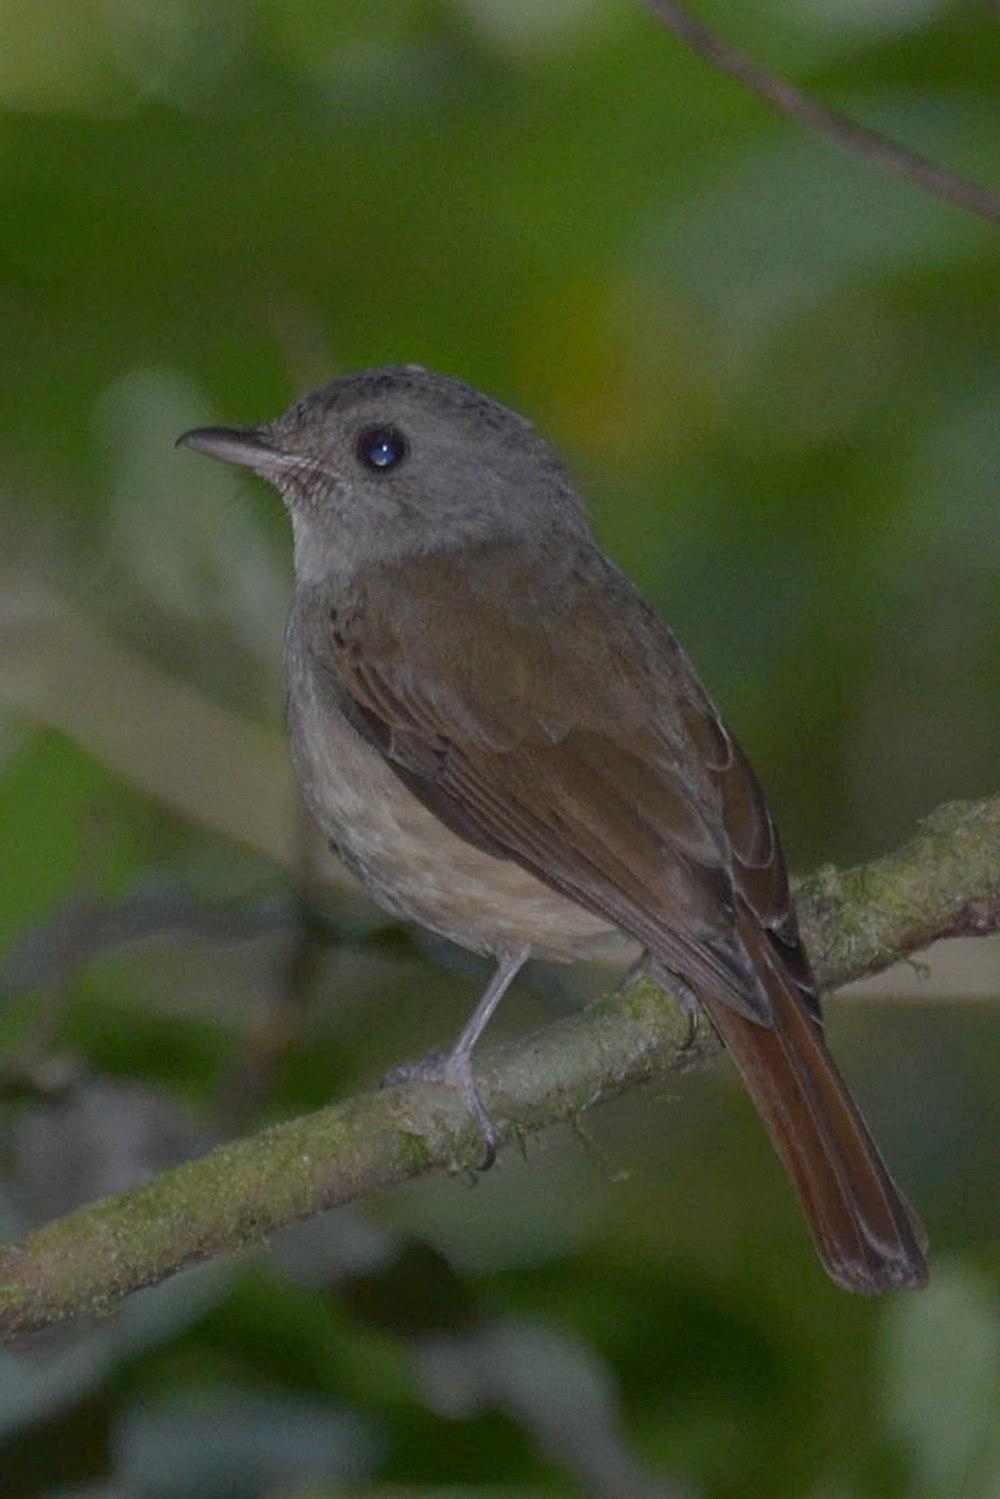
(945, 882)
(784, 96)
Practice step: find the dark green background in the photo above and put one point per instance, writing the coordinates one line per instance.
(775, 373)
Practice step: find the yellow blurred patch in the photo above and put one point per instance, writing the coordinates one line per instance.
(616, 366)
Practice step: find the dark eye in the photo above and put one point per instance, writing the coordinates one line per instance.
(381, 448)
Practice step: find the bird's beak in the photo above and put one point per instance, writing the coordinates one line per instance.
(249, 447)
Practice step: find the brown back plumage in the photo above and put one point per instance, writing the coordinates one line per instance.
(532, 700)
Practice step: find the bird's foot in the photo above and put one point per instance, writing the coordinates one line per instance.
(636, 972)
(454, 1070)
(689, 1053)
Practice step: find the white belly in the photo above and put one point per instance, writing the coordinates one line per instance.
(415, 866)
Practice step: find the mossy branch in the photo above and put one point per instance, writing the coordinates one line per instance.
(945, 882)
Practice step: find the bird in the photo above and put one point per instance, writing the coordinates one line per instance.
(500, 737)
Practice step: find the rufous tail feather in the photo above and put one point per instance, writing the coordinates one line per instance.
(866, 1233)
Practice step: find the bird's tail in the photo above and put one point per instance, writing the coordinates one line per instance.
(866, 1233)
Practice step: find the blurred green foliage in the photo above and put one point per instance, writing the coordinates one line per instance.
(775, 373)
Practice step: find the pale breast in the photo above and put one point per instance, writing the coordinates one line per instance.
(414, 865)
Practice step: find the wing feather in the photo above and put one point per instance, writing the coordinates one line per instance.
(544, 713)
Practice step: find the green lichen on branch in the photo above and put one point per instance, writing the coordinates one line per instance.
(944, 882)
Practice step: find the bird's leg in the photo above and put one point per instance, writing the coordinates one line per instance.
(455, 1067)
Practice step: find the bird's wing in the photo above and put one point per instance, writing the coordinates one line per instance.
(537, 706)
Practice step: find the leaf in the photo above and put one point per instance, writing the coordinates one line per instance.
(553, 1385)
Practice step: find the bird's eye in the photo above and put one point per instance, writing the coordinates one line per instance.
(381, 448)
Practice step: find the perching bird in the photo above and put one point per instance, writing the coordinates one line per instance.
(504, 742)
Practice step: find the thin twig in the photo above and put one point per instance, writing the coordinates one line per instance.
(791, 101)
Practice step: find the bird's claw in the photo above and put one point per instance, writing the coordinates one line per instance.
(453, 1070)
